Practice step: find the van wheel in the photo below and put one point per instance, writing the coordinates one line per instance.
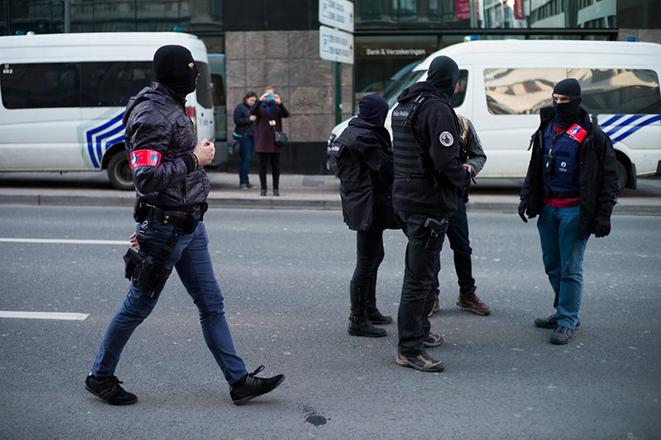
(119, 172)
(622, 176)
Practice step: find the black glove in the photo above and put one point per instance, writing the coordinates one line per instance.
(523, 206)
(602, 227)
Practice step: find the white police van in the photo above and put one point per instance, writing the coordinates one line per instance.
(63, 97)
(503, 84)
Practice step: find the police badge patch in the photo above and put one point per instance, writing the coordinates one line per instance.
(446, 139)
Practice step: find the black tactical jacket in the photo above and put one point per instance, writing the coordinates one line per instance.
(155, 119)
(435, 122)
(597, 173)
(364, 161)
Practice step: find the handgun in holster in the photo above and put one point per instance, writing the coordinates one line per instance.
(436, 233)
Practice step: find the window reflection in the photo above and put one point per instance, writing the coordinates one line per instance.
(604, 91)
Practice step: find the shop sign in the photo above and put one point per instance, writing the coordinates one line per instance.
(463, 9)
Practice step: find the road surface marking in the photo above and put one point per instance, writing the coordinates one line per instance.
(63, 241)
(45, 315)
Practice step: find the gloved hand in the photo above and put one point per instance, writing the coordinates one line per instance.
(523, 206)
(602, 227)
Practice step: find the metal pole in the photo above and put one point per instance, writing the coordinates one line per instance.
(338, 93)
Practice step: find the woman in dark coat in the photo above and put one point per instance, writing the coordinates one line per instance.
(245, 132)
(364, 160)
(269, 112)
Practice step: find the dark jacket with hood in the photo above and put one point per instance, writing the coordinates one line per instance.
(436, 194)
(244, 126)
(364, 161)
(155, 119)
(597, 173)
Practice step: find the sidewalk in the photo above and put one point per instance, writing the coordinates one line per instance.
(297, 192)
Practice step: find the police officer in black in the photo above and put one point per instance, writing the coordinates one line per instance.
(364, 160)
(428, 172)
(172, 187)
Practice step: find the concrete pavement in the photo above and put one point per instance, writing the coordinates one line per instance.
(298, 192)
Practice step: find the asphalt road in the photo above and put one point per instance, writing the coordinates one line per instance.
(285, 277)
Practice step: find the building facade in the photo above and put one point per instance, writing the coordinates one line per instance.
(253, 43)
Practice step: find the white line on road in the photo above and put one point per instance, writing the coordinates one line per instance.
(45, 315)
(63, 241)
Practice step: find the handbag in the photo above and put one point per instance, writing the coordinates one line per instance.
(279, 137)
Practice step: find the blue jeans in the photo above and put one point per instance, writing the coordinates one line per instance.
(192, 261)
(246, 153)
(562, 252)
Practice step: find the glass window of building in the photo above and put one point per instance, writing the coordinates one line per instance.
(382, 64)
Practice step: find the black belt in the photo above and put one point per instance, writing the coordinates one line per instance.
(561, 195)
(175, 218)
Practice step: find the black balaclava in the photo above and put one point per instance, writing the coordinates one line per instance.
(373, 109)
(443, 74)
(567, 113)
(171, 69)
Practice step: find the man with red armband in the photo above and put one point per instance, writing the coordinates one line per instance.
(172, 188)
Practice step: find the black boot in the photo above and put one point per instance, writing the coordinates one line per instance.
(359, 325)
(373, 313)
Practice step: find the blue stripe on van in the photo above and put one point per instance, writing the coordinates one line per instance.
(636, 128)
(90, 143)
(106, 135)
(115, 141)
(624, 124)
(611, 120)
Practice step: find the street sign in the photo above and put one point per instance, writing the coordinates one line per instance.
(337, 14)
(335, 45)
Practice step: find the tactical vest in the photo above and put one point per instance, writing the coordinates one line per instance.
(408, 155)
(561, 159)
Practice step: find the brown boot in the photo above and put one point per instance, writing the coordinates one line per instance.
(435, 308)
(469, 301)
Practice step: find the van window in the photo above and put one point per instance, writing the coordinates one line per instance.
(43, 85)
(604, 91)
(111, 84)
(203, 89)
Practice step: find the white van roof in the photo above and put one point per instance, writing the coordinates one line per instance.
(533, 51)
(79, 46)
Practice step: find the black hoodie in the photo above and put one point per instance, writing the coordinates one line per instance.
(436, 195)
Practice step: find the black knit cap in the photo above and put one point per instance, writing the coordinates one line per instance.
(443, 74)
(171, 69)
(373, 109)
(568, 87)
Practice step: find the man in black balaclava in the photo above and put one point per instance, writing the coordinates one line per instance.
(571, 184)
(364, 162)
(428, 172)
(175, 68)
(172, 187)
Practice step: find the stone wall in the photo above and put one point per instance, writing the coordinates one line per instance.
(646, 35)
(288, 60)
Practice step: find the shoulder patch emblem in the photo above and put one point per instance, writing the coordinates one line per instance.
(446, 139)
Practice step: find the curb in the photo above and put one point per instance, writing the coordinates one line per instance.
(281, 203)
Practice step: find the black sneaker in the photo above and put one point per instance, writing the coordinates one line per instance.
(433, 340)
(561, 335)
(110, 390)
(550, 322)
(423, 362)
(250, 386)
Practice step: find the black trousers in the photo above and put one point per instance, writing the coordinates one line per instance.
(461, 248)
(275, 168)
(369, 256)
(418, 288)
